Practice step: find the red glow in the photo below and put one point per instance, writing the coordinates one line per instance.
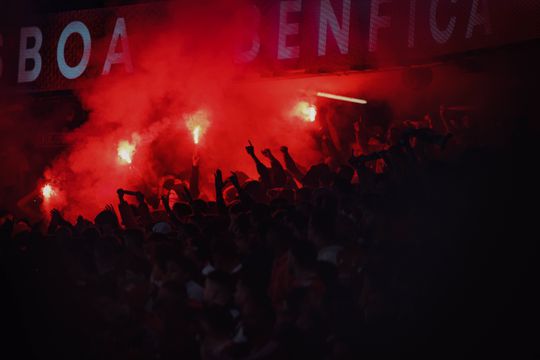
(179, 99)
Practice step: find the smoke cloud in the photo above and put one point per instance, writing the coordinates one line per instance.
(185, 65)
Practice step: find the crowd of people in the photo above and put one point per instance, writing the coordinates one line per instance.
(339, 261)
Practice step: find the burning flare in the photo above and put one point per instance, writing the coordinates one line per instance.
(196, 134)
(47, 191)
(305, 111)
(126, 149)
(197, 123)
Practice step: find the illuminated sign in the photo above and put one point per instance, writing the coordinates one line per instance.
(313, 35)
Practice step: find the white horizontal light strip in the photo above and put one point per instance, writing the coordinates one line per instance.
(342, 98)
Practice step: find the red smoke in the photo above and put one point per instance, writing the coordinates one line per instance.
(185, 65)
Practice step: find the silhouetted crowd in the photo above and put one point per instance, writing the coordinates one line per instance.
(338, 261)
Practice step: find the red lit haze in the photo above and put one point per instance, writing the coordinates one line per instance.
(148, 124)
(184, 66)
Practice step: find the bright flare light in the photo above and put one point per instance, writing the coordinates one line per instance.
(305, 111)
(47, 191)
(126, 151)
(196, 134)
(311, 113)
(341, 98)
(197, 123)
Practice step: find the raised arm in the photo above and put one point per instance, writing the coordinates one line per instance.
(263, 171)
(56, 221)
(219, 185)
(242, 194)
(126, 213)
(291, 164)
(144, 211)
(194, 179)
(279, 176)
(172, 215)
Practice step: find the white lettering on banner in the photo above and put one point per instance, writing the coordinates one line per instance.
(26, 53)
(114, 57)
(328, 20)
(479, 18)
(362, 33)
(440, 36)
(73, 72)
(377, 23)
(286, 29)
(247, 56)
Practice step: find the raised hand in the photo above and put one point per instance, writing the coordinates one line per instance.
(196, 159)
(284, 149)
(110, 208)
(120, 193)
(263, 171)
(165, 201)
(218, 180)
(250, 149)
(139, 196)
(168, 184)
(56, 220)
(267, 153)
(55, 215)
(220, 184)
(234, 180)
(187, 193)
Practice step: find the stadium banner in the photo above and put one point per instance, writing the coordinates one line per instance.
(59, 51)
